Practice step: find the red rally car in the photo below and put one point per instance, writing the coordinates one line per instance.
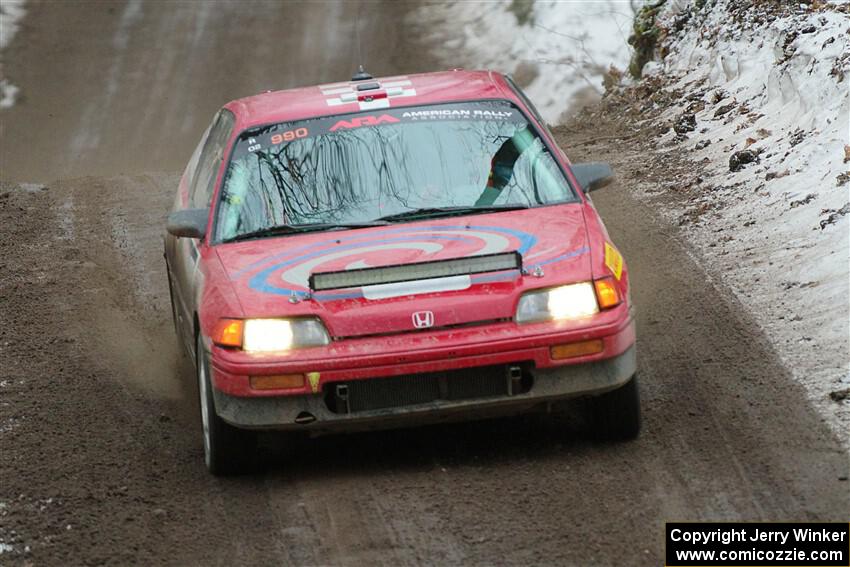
(386, 251)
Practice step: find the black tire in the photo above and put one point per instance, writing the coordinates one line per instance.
(228, 450)
(615, 415)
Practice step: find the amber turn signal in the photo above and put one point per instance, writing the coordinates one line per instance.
(277, 382)
(572, 350)
(607, 293)
(228, 333)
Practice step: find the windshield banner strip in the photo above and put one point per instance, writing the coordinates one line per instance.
(262, 139)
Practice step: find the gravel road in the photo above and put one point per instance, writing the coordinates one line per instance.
(100, 453)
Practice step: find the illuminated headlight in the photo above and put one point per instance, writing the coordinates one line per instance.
(274, 335)
(565, 302)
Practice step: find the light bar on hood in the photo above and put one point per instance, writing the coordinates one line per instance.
(360, 277)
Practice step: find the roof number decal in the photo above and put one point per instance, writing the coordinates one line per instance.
(345, 94)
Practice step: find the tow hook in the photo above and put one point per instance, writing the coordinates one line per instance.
(514, 375)
(341, 398)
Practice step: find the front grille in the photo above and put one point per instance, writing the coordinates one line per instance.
(401, 391)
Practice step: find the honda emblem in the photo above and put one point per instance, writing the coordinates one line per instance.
(423, 319)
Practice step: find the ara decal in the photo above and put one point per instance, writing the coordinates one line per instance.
(359, 121)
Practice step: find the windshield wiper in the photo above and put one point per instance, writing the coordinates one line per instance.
(435, 212)
(284, 229)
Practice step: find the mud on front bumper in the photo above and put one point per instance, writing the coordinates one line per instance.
(525, 389)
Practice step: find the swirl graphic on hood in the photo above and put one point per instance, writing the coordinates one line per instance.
(286, 273)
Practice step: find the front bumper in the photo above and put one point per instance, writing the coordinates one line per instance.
(310, 411)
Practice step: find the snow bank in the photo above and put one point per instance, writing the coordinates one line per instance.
(557, 51)
(777, 88)
(11, 12)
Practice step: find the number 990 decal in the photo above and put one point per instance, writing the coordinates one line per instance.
(289, 135)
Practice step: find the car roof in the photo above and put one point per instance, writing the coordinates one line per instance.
(352, 96)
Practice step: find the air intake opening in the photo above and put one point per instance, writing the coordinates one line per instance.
(454, 385)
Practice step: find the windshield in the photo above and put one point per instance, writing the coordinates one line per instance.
(358, 168)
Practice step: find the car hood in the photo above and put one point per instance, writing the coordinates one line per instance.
(270, 275)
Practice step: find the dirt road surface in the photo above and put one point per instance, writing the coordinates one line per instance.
(100, 452)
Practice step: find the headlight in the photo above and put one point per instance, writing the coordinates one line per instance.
(564, 302)
(270, 335)
(267, 335)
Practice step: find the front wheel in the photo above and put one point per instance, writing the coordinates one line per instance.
(616, 414)
(227, 449)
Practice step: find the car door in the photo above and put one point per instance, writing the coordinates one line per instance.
(183, 262)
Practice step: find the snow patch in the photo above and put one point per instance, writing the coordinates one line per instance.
(558, 52)
(8, 93)
(31, 187)
(66, 219)
(88, 133)
(9, 424)
(11, 12)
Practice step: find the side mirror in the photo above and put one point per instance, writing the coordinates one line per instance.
(188, 223)
(593, 175)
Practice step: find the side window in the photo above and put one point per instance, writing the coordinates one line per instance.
(182, 200)
(201, 190)
(196, 155)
